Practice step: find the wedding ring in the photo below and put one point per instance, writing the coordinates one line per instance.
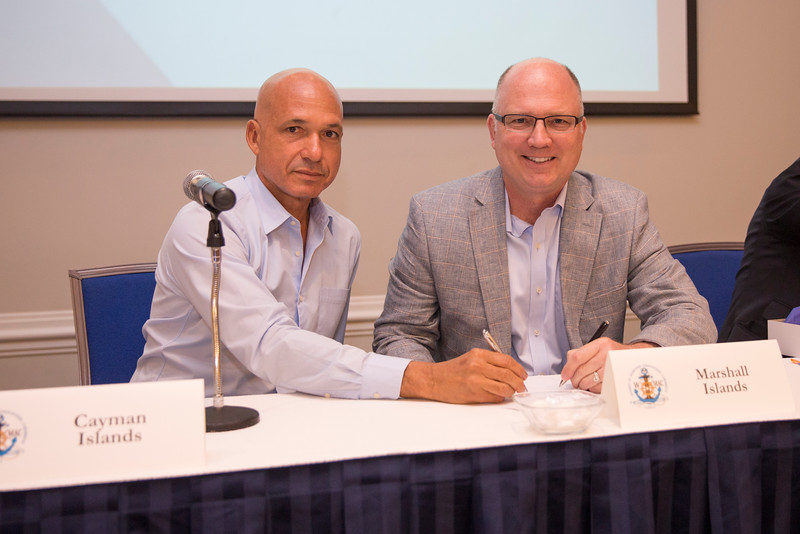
(596, 377)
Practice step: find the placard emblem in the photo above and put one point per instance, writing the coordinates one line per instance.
(12, 435)
(647, 385)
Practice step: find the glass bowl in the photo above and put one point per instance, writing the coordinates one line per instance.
(559, 412)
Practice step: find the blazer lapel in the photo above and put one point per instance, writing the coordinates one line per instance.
(487, 225)
(580, 234)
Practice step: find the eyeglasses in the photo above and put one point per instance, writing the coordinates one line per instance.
(526, 123)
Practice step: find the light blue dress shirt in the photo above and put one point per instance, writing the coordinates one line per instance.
(282, 308)
(538, 334)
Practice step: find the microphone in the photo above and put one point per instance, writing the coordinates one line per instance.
(212, 195)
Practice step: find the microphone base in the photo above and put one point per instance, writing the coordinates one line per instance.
(228, 418)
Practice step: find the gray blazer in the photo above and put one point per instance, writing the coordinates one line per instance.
(449, 278)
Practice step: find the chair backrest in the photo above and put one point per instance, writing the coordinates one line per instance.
(712, 267)
(110, 305)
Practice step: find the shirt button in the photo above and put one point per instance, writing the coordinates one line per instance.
(301, 298)
(297, 253)
(536, 333)
(327, 395)
(376, 395)
(538, 290)
(293, 223)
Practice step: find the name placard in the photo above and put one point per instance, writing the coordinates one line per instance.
(673, 387)
(787, 335)
(90, 434)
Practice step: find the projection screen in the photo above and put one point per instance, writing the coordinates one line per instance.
(207, 58)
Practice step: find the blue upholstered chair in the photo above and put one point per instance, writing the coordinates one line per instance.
(712, 267)
(110, 305)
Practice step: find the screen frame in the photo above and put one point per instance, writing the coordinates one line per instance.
(114, 108)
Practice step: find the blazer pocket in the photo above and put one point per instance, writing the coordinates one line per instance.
(776, 310)
(743, 332)
(608, 301)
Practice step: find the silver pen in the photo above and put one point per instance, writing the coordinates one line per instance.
(495, 347)
(490, 340)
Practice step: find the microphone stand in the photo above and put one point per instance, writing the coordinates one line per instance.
(221, 418)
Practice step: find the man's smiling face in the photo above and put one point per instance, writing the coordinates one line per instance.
(537, 162)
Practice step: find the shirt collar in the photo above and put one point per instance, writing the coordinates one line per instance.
(273, 214)
(516, 227)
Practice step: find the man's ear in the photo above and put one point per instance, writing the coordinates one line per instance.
(491, 122)
(251, 134)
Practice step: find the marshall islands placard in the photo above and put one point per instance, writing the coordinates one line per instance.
(673, 387)
(85, 434)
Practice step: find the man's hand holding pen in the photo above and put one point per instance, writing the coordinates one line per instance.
(479, 375)
(585, 365)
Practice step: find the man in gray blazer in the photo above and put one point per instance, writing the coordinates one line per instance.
(534, 251)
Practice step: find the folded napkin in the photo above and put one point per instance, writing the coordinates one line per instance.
(794, 316)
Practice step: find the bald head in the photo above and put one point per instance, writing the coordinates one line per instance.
(296, 81)
(295, 134)
(518, 72)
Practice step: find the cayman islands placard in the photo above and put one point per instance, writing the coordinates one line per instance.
(91, 434)
(696, 385)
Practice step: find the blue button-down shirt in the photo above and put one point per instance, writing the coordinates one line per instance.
(282, 307)
(538, 335)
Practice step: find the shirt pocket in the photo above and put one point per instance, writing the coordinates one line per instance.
(332, 305)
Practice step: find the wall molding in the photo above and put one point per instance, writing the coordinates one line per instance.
(45, 333)
(53, 332)
(46, 324)
(38, 349)
(49, 333)
(363, 312)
